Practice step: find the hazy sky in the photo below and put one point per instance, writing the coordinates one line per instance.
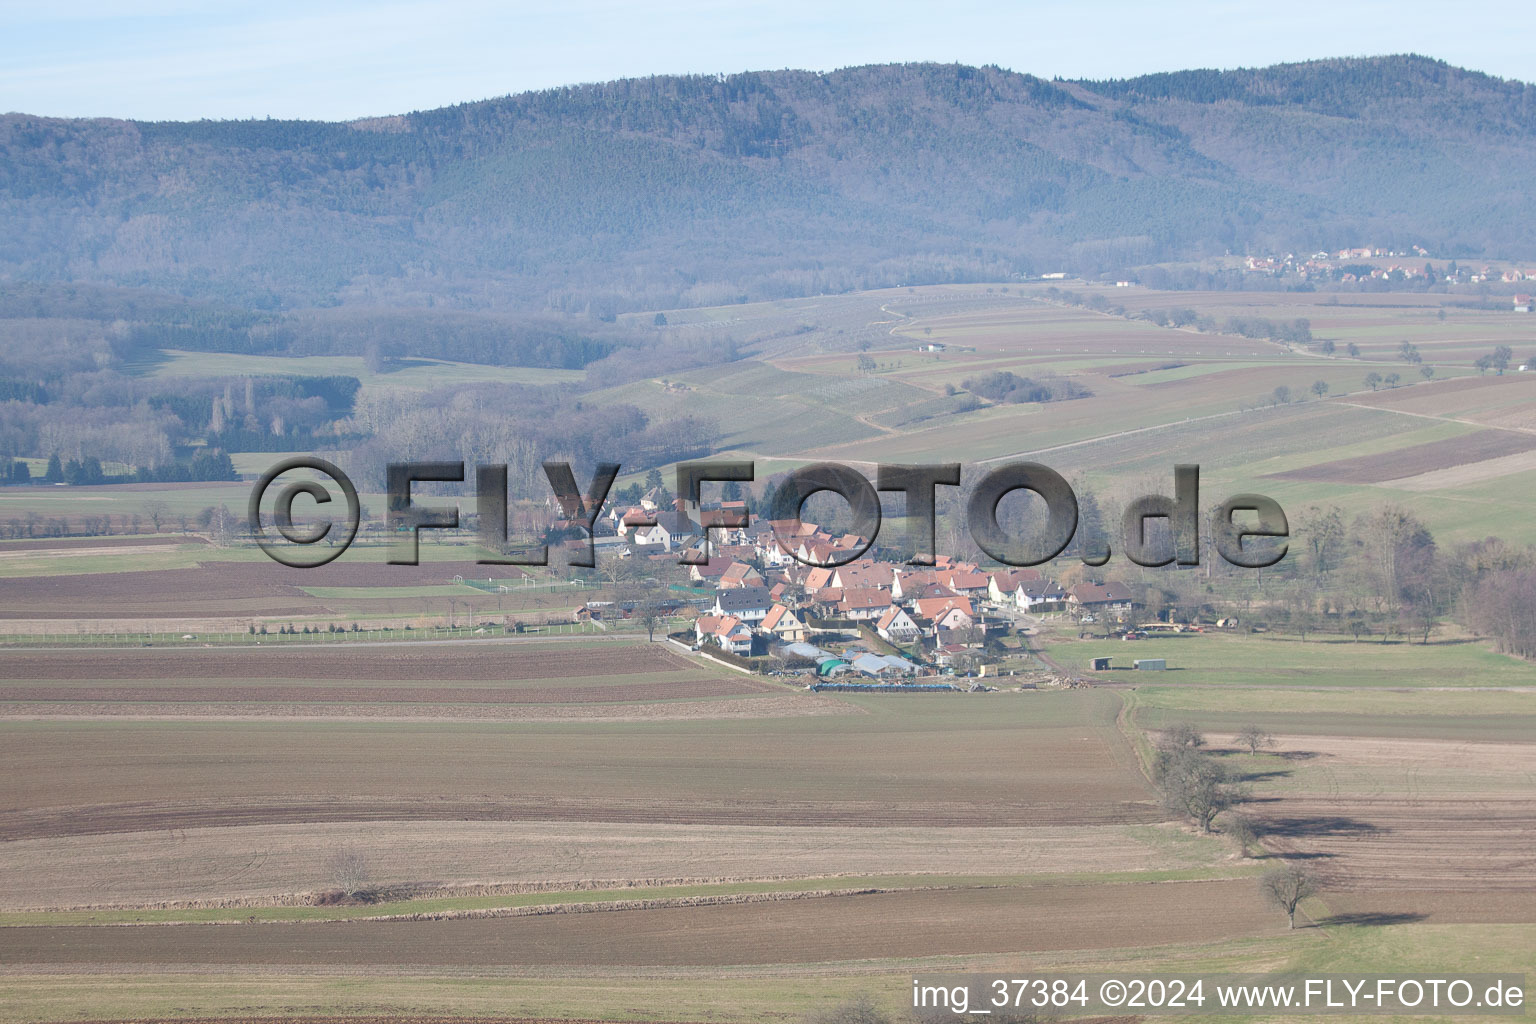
(183, 59)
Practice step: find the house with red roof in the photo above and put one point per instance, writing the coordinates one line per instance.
(726, 631)
(784, 624)
(740, 574)
(1003, 586)
(897, 627)
(863, 603)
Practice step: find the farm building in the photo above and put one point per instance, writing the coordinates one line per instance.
(1150, 664)
(883, 665)
(1101, 664)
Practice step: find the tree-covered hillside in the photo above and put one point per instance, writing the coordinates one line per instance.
(669, 191)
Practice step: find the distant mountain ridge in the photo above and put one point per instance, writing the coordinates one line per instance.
(668, 191)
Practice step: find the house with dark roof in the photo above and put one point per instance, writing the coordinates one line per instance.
(680, 529)
(710, 572)
(1113, 598)
(749, 604)
(1044, 596)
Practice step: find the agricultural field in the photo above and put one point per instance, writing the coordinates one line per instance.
(1273, 661)
(1409, 813)
(415, 373)
(577, 824)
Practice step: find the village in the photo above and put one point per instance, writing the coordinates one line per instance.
(763, 594)
(1370, 264)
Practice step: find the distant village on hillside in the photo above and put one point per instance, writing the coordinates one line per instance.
(1366, 263)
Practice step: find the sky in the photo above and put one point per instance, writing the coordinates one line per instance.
(190, 59)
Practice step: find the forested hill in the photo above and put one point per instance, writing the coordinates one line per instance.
(667, 191)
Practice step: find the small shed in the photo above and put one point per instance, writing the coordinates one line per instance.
(1101, 664)
(1150, 664)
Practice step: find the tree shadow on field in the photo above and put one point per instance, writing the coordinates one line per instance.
(1322, 825)
(1373, 918)
(1262, 775)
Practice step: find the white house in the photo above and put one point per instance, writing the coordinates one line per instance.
(784, 624)
(947, 613)
(749, 604)
(651, 537)
(897, 627)
(1042, 597)
(863, 603)
(729, 632)
(1003, 587)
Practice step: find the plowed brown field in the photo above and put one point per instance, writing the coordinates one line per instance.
(480, 661)
(833, 928)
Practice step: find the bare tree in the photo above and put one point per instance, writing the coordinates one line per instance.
(617, 571)
(1242, 831)
(221, 527)
(1300, 610)
(1285, 887)
(350, 873)
(1181, 736)
(1195, 785)
(647, 605)
(157, 511)
(1254, 738)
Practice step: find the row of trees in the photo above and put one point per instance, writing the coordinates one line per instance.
(1378, 574)
(200, 466)
(1198, 785)
(1009, 388)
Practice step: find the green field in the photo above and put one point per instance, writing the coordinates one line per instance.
(1320, 661)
